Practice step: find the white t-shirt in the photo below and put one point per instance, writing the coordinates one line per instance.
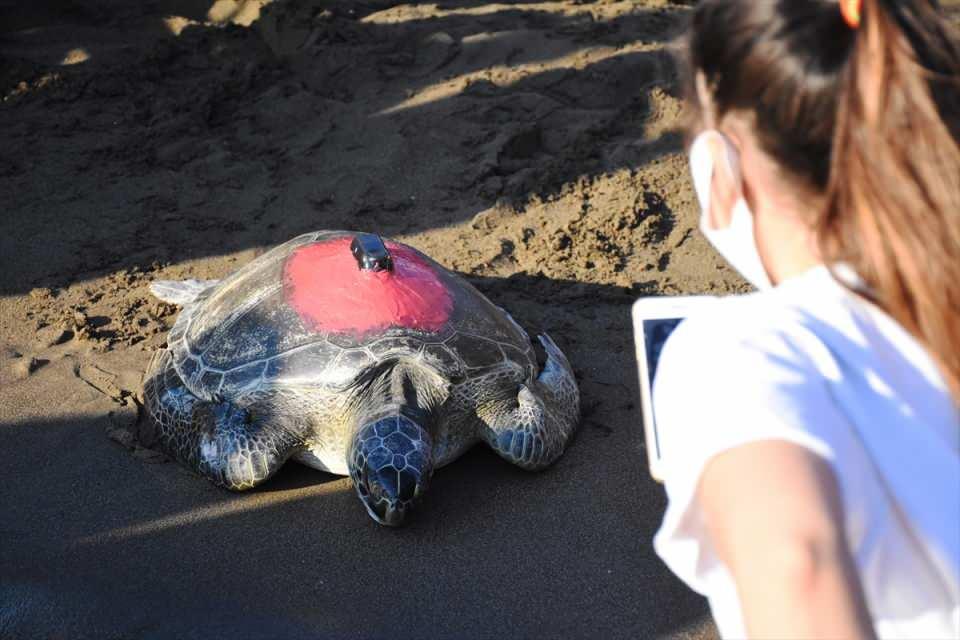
(811, 363)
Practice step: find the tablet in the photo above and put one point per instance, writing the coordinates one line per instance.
(654, 319)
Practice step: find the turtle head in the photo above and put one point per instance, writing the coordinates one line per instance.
(390, 463)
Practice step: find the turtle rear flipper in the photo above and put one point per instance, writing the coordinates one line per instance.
(180, 292)
(534, 433)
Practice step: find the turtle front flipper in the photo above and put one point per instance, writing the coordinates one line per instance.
(226, 443)
(534, 432)
(237, 449)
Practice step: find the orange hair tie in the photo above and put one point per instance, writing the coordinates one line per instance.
(850, 9)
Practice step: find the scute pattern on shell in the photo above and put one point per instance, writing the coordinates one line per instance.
(241, 336)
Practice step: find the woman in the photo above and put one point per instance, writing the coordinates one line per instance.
(811, 430)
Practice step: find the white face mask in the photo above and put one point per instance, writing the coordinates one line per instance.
(736, 242)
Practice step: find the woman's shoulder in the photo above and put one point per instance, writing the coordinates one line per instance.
(748, 368)
(754, 324)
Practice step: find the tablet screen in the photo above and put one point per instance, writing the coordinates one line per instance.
(655, 333)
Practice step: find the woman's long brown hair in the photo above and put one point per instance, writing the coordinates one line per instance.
(870, 119)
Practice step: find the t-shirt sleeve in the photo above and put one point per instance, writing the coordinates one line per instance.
(721, 384)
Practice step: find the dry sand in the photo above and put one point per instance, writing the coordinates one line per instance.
(530, 146)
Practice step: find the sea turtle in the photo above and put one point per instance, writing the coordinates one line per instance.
(353, 355)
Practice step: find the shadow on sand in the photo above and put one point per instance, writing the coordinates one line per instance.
(117, 548)
(96, 542)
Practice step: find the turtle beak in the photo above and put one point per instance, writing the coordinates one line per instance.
(384, 502)
(387, 514)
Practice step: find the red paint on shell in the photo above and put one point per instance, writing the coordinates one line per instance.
(329, 292)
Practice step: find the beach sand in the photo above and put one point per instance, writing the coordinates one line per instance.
(533, 147)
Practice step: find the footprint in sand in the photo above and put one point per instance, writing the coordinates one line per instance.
(23, 366)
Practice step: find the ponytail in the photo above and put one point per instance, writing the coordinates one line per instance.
(875, 87)
(893, 193)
